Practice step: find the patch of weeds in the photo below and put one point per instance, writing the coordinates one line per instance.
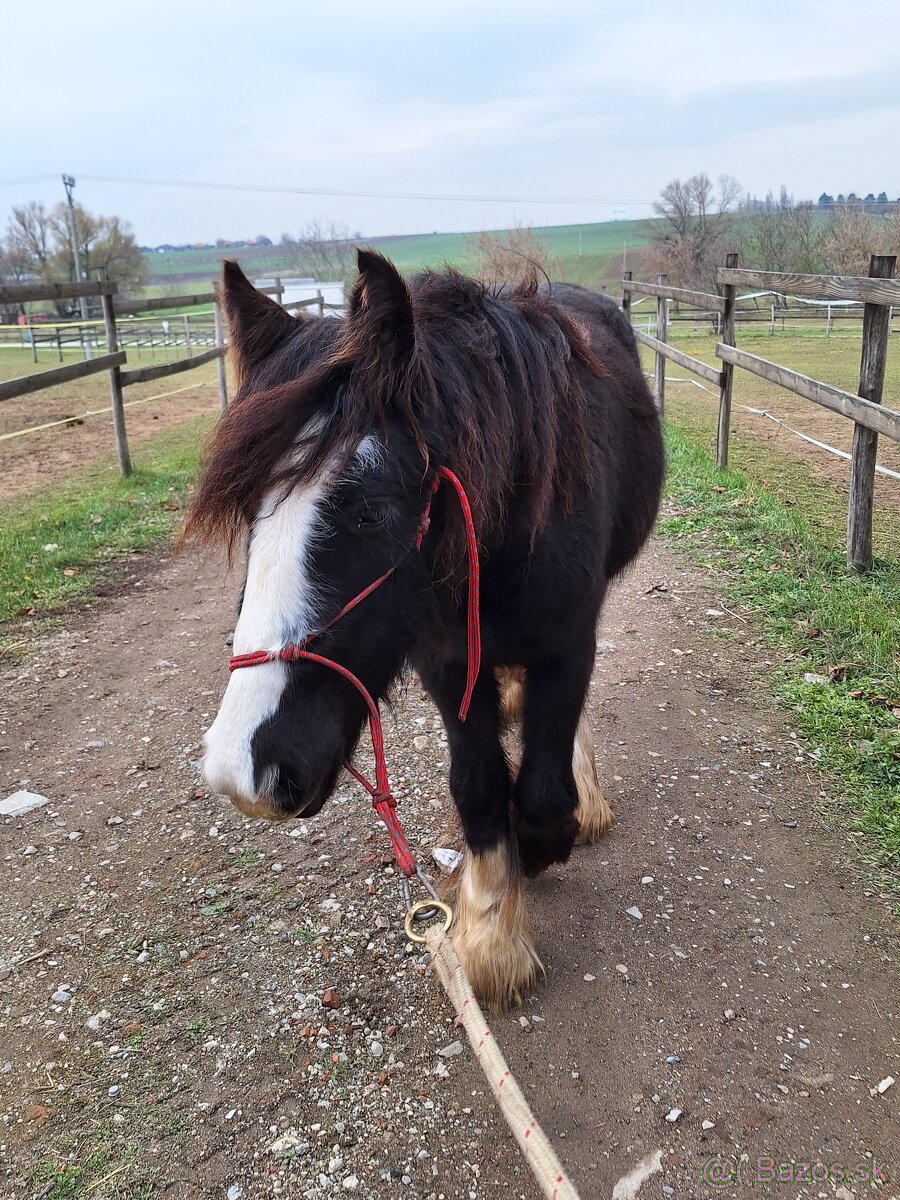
(197, 1028)
(823, 620)
(218, 903)
(247, 858)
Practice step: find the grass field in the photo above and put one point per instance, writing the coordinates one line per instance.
(588, 254)
(59, 545)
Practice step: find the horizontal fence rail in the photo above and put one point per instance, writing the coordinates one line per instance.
(704, 300)
(27, 293)
(862, 288)
(863, 412)
(26, 384)
(704, 370)
(161, 370)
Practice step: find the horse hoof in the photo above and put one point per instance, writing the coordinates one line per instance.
(490, 930)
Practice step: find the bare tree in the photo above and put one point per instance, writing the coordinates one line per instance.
(323, 250)
(29, 236)
(696, 225)
(851, 237)
(784, 237)
(512, 256)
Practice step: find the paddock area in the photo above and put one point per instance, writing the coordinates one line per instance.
(195, 1005)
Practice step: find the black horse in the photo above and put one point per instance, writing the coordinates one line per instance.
(328, 456)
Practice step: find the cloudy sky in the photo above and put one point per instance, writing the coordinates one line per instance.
(548, 112)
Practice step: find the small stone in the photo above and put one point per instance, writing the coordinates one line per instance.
(93, 1023)
(21, 802)
(235, 1192)
(61, 996)
(668, 1191)
(635, 912)
(589, 978)
(214, 833)
(814, 677)
(114, 821)
(672, 1115)
(330, 998)
(114, 1090)
(645, 879)
(76, 835)
(143, 956)
(96, 744)
(672, 1059)
(452, 1050)
(729, 1014)
(448, 859)
(350, 1184)
(376, 1049)
(707, 1124)
(621, 968)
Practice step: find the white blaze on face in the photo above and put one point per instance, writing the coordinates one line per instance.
(279, 606)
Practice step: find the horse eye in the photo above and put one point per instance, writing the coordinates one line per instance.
(370, 514)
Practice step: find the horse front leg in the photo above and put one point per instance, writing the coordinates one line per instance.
(490, 918)
(551, 808)
(593, 814)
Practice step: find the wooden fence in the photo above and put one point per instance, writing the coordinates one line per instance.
(878, 293)
(115, 360)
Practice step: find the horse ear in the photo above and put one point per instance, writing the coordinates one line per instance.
(380, 303)
(256, 323)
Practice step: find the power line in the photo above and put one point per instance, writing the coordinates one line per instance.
(349, 192)
(27, 180)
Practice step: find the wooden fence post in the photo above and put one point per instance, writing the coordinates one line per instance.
(725, 388)
(279, 291)
(220, 341)
(321, 300)
(662, 327)
(626, 296)
(115, 384)
(875, 334)
(187, 334)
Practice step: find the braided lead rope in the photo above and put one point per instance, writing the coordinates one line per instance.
(539, 1154)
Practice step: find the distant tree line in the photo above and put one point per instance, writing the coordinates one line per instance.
(701, 222)
(38, 247)
(871, 203)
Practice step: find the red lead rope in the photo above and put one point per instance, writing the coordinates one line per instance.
(384, 802)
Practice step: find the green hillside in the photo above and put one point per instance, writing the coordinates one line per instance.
(589, 254)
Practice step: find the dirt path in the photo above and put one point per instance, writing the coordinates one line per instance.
(201, 1053)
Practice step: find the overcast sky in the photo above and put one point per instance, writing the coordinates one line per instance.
(534, 102)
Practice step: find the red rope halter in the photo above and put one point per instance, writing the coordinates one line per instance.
(380, 791)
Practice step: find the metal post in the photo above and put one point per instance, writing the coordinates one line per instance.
(69, 185)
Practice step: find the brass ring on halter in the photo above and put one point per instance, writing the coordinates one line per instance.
(419, 908)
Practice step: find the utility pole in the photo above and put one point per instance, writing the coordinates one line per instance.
(69, 185)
